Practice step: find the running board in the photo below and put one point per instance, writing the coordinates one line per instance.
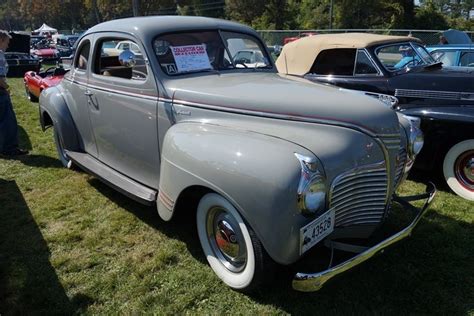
(109, 176)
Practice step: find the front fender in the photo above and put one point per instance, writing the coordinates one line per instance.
(258, 174)
(464, 114)
(53, 106)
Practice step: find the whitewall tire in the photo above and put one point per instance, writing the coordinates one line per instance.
(458, 169)
(231, 247)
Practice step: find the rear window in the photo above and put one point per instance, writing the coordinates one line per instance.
(339, 62)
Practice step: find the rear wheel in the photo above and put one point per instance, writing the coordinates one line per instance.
(232, 249)
(65, 161)
(458, 169)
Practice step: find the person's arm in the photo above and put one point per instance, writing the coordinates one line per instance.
(3, 83)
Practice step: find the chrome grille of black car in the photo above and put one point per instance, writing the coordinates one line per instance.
(429, 94)
(358, 196)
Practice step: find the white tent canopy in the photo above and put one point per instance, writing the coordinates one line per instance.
(45, 29)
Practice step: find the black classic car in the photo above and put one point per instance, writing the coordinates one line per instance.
(18, 55)
(400, 66)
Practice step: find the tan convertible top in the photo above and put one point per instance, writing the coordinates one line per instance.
(298, 57)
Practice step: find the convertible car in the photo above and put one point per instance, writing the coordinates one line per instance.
(442, 97)
(36, 82)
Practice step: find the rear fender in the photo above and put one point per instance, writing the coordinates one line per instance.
(53, 105)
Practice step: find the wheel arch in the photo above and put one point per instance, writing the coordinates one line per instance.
(55, 112)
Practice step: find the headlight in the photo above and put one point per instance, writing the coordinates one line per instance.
(312, 187)
(416, 139)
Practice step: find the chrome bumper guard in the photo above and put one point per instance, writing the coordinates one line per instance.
(310, 282)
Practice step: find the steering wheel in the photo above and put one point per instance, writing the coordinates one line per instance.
(411, 61)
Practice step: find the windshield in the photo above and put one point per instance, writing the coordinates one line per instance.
(403, 56)
(181, 53)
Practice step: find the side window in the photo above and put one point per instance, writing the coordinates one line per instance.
(107, 61)
(467, 59)
(339, 62)
(82, 58)
(447, 58)
(364, 65)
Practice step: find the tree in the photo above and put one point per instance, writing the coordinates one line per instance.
(245, 11)
(429, 17)
(313, 14)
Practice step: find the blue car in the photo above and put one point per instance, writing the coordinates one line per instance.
(457, 55)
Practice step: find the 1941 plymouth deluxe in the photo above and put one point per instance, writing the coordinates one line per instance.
(401, 67)
(270, 165)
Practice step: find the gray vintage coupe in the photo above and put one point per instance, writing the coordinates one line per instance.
(267, 165)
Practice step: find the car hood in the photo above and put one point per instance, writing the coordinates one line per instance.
(281, 96)
(455, 79)
(20, 43)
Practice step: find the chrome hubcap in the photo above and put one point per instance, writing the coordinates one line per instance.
(464, 169)
(226, 239)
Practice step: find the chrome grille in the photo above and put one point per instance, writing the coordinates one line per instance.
(429, 94)
(401, 160)
(358, 196)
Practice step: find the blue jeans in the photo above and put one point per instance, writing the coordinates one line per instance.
(8, 125)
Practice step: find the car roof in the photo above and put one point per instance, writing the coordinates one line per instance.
(298, 57)
(146, 28)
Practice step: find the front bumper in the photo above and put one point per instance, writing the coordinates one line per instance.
(310, 282)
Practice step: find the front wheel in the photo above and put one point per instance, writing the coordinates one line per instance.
(231, 247)
(65, 161)
(458, 169)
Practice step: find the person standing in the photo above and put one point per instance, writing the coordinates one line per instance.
(8, 124)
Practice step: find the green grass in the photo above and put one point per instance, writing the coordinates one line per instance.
(69, 244)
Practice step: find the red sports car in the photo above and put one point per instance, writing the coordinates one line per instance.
(35, 82)
(287, 40)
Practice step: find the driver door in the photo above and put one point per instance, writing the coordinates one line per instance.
(350, 69)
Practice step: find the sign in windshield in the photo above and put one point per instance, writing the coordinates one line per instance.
(182, 53)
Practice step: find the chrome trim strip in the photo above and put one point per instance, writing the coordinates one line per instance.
(167, 201)
(121, 92)
(131, 94)
(310, 282)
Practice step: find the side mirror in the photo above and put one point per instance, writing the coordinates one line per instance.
(127, 59)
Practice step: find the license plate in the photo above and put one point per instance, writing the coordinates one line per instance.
(315, 231)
